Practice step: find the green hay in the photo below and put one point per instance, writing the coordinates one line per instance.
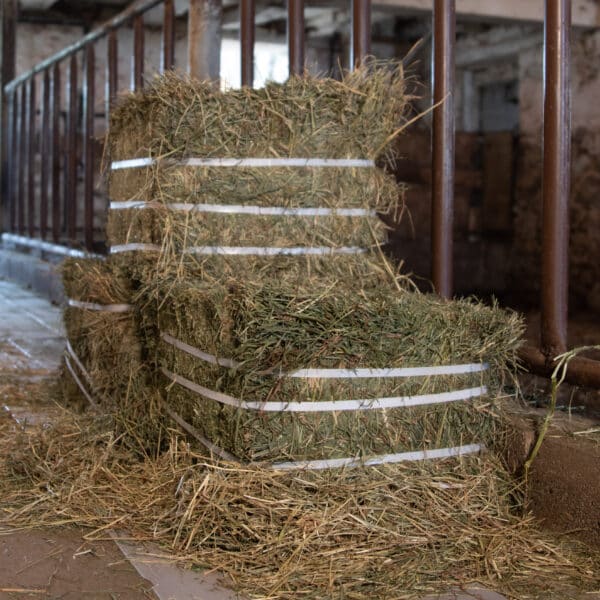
(305, 117)
(271, 329)
(109, 347)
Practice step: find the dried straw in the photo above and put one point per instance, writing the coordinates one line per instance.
(392, 532)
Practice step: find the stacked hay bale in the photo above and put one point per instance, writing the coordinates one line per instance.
(279, 331)
(105, 363)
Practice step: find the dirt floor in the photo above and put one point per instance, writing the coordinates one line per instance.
(61, 563)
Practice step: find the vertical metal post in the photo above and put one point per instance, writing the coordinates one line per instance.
(31, 137)
(295, 34)
(112, 73)
(45, 152)
(204, 39)
(247, 18)
(88, 146)
(361, 31)
(56, 158)
(22, 138)
(167, 60)
(444, 19)
(557, 159)
(8, 20)
(71, 154)
(10, 161)
(137, 70)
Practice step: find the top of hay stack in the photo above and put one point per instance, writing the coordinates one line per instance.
(304, 117)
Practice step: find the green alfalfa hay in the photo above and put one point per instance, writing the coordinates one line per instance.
(272, 328)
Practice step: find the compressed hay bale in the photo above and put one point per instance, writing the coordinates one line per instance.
(106, 363)
(253, 334)
(100, 326)
(305, 118)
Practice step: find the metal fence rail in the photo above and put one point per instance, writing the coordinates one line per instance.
(51, 155)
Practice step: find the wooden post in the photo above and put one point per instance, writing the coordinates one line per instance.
(8, 25)
(204, 39)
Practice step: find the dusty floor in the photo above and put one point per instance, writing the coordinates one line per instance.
(62, 564)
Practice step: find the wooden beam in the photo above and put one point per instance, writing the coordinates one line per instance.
(586, 13)
(204, 39)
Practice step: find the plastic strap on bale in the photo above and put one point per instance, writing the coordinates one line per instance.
(358, 373)
(332, 463)
(137, 163)
(71, 353)
(112, 308)
(244, 250)
(243, 209)
(267, 251)
(134, 247)
(331, 406)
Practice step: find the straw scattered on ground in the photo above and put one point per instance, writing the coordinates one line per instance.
(412, 529)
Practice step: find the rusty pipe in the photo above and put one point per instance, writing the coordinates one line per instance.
(556, 177)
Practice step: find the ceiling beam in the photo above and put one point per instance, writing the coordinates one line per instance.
(586, 13)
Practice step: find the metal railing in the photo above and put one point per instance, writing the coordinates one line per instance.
(51, 187)
(51, 155)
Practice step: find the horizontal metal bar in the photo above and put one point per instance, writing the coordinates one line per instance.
(135, 9)
(580, 371)
(35, 244)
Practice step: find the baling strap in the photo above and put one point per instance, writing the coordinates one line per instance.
(358, 373)
(113, 308)
(136, 163)
(76, 378)
(334, 405)
(245, 209)
(332, 463)
(266, 251)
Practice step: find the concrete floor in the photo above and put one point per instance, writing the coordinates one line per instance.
(31, 346)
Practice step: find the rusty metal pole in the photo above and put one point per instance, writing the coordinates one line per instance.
(247, 16)
(444, 20)
(31, 152)
(361, 31)
(88, 98)
(204, 39)
(295, 34)
(45, 153)
(8, 20)
(112, 74)
(167, 56)
(137, 65)
(557, 165)
(55, 105)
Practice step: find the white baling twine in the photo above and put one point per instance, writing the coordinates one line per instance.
(136, 163)
(353, 462)
(335, 373)
(113, 308)
(334, 405)
(83, 370)
(244, 250)
(333, 463)
(245, 209)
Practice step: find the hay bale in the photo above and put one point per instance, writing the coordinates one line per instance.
(105, 353)
(259, 332)
(177, 119)
(104, 342)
